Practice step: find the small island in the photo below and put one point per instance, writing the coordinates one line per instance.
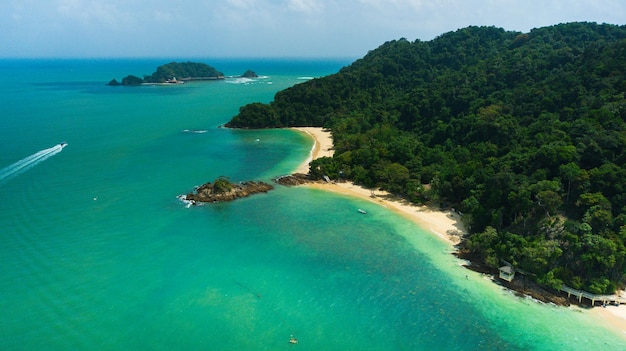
(173, 73)
(249, 74)
(224, 190)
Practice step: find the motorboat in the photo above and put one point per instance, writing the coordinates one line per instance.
(63, 144)
(362, 211)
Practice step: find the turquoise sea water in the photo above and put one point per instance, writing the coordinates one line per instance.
(98, 253)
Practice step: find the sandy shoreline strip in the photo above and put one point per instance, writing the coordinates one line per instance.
(613, 316)
(440, 223)
(322, 146)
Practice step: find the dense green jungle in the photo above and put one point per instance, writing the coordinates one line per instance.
(165, 73)
(523, 133)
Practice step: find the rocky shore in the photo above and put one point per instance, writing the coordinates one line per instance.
(521, 285)
(293, 179)
(222, 190)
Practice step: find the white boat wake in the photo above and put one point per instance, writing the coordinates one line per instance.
(29, 162)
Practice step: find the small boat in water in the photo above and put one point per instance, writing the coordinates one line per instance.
(63, 144)
(362, 211)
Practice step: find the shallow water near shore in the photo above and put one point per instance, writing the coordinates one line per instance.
(98, 253)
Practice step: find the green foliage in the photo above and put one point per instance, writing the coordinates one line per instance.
(550, 279)
(183, 70)
(484, 245)
(525, 133)
(222, 185)
(255, 115)
(180, 71)
(131, 80)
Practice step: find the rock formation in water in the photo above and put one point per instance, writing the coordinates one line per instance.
(223, 190)
(293, 179)
(249, 74)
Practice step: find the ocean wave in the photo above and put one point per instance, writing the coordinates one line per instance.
(305, 78)
(29, 162)
(187, 203)
(194, 131)
(239, 80)
(245, 80)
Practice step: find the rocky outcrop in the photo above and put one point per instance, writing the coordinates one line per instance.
(293, 179)
(250, 74)
(223, 190)
(521, 285)
(128, 80)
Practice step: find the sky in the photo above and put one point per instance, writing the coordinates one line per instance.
(263, 28)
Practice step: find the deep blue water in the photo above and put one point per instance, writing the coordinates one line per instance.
(98, 253)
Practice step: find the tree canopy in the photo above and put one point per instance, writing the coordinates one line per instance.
(523, 133)
(182, 71)
(174, 70)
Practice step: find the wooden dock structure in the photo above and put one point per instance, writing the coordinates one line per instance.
(605, 299)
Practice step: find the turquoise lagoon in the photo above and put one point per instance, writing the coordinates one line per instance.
(98, 253)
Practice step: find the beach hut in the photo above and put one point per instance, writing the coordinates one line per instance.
(507, 273)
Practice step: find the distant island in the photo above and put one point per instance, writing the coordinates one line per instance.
(249, 74)
(174, 73)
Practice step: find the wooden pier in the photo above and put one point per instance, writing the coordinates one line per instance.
(605, 299)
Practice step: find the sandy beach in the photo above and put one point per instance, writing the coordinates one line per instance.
(613, 316)
(440, 223)
(322, 146)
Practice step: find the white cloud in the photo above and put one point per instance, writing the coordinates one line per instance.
(307, 6)
(242, 4)
(163, 16)
(88, 12)
(265, 27)
(16, 10)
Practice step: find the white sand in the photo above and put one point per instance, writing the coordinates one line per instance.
(613, 316)
(439, 222)
(322, 146)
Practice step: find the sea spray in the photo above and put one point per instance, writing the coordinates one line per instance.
(27, 163)
(136, 269)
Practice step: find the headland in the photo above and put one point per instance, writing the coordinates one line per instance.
(444, 224)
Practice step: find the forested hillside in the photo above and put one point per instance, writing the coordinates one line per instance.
(183, 70)
(524, 133)
(174, 70)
